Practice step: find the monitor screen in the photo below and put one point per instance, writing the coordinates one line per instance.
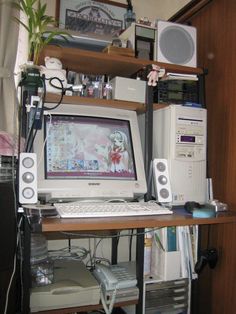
(89, 152)
(88, 148)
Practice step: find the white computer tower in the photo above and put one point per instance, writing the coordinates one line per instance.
(179, 135)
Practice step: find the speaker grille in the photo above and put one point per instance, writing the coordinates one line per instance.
(27, 178)
(161, 181)
(176, 45)
(164, 193)
(161, 166)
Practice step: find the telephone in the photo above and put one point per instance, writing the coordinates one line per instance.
(114, 277)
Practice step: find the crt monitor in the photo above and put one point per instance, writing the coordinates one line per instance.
(87, 152)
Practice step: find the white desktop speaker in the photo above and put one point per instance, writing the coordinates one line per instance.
(28, 178)
(161, 181)
(176, 43)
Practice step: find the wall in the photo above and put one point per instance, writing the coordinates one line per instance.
(100, 247)
(152, 9)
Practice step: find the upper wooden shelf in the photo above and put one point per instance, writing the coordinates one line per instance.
(120, 104)
(90, 62)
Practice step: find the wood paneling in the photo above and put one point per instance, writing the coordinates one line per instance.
(216, 29)
(216, 52)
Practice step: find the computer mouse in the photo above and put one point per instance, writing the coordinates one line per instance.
(190, 206)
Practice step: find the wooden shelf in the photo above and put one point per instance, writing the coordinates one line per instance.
(77, 100)
(90, 62)
(85, 308)
(122, 223)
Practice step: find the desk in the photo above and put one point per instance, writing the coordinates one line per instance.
(179, 218)
(92, 224)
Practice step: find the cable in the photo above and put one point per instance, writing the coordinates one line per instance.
(19, 245)
(14, 269)
(15, 147)
(20, 127)
(95, 258)
(164, 205)
(55, 86)
(95, 246)
(32, 141)
(71, 252)
(37, 104)
(108, 308)
(44, 88)
(44, 143)
(91, 236)
(149, 180)
(90, 253)
(29, 135)
(60, 88)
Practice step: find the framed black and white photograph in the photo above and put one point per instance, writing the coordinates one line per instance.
(100, 17)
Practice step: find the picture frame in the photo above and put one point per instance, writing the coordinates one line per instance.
(99, 17)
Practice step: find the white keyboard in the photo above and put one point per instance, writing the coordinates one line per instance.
(106, 209)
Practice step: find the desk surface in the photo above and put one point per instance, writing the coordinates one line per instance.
(179, 218)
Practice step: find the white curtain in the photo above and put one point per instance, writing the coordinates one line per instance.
(8, 49)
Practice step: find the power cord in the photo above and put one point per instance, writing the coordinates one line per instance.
(18, 241)
(69, 253)
(62, 89)
(90, 235)
(37, 103)
(108, 307)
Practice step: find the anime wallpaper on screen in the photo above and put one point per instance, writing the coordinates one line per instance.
(88, 148)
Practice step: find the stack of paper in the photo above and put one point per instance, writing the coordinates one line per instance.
(188, 241)
(179, 76)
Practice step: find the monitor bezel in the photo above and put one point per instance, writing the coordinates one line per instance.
(70, 190)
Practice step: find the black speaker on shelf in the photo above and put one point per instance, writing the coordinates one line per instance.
(176, 43)
(161, 180)
(28, 178)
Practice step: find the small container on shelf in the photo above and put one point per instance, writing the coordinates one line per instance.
(42, 273)
(42, 270)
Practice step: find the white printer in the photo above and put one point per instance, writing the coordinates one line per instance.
(73, 286)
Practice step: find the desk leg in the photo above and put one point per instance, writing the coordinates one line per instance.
(114, 252)
(139, 268)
